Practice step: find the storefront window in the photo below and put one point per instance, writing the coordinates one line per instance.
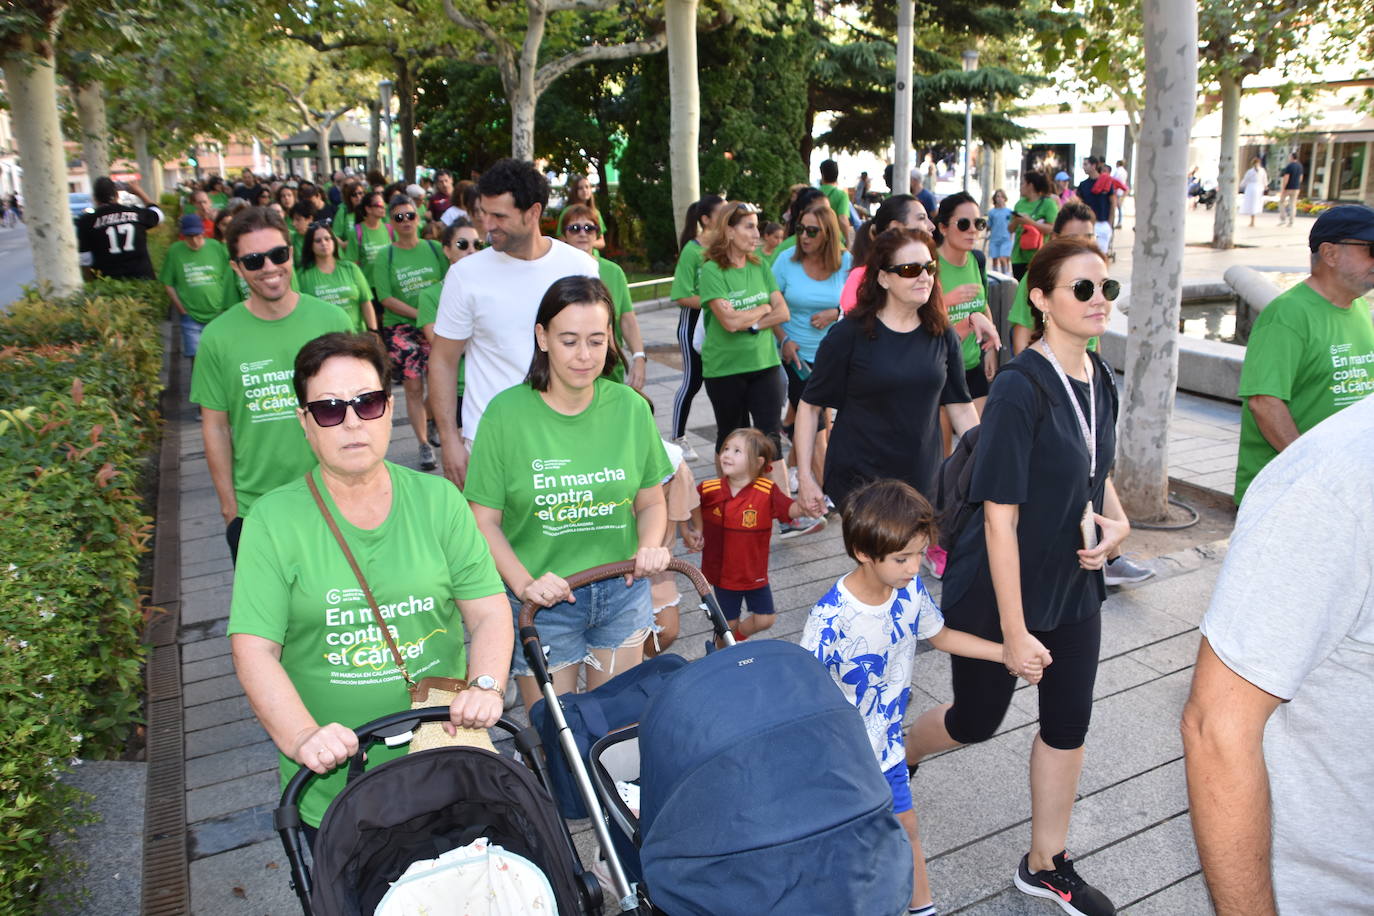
(1349, 164)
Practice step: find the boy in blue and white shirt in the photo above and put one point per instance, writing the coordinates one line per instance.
(866, 628)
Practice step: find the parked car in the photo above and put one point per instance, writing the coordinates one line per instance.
(79, 204)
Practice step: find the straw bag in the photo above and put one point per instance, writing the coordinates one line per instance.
(430, 691)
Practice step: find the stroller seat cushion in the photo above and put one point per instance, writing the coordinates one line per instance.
(480, 879)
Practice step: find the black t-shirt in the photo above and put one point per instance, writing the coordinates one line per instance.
(1292, 176)
(116, 237)
(888, 391)
(1031, 454)
(1101, 204)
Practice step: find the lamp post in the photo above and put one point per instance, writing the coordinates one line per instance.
(901, 120)
(970, 64)
(384, 88)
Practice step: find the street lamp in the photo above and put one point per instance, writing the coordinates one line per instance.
(970, 64)
(384, 87)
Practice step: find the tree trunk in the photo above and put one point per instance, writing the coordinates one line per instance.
(95, 127)
(31, 81)
(605, 205)
(149, 173)
(684, 99)
(1151, 366)
(405, 116)
(522, 102)
(374, 135)
(901, 115)
(1224, 223)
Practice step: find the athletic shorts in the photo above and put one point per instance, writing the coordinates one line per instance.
(408, 349)
(759, 600)
(899, 780)
(604, 616)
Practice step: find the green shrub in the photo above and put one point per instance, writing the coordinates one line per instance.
(77, 422)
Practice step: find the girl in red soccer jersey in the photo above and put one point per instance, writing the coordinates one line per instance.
(737, 512)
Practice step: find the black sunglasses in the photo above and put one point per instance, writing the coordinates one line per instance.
(462, 244)
(809, 231)
(913, 269)
(408, 216)
(587, 228)
(1359, 244)
(963, 223)
(1083, 289)
(255, 261)
(331, 411)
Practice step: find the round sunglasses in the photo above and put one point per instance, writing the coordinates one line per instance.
(1083, 289)
(964, 223)
(408, 216)
(463, 244)
(580, 228)
(255, 261)
(331, 411)
(913, 269)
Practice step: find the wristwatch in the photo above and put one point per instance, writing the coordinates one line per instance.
(638, 354)
(485, 682)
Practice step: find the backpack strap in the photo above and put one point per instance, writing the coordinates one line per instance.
(982, 261)
(439, 256)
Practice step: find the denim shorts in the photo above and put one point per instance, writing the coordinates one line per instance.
(605, 616)
(899, 780)
(190, 335)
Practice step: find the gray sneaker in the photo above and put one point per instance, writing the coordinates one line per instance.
(800, 526)
(688, 453)
(427, 462)
(1123, 571)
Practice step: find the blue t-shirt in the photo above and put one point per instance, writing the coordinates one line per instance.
(999, 224)
(805, 297)
(869, 650)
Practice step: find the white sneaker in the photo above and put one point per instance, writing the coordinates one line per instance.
(793, 482)
(688, 453)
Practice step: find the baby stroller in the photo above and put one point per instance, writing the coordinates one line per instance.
(571, 748)
(775, 807)
(422, 805)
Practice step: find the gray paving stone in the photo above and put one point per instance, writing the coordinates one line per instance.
(202, 549)
(191, 672)
(970, 793)
(1185, 898)
(1130, 621)
(1135, 731)
(260, 873)
(225, 798)
(209, 604)
(1170, 655)
(223, 737)
(206, 567)
(203, 649)
(219, 712)
(199, 501)
(110, 865)
(220, 579)
(212, 630)
(216, 688)
(192, 467)
(207, 524)
(233, 831)
(1185, 597)
(231, 764)
(1144, 863)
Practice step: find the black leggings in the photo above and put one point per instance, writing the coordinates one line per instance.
(748, 399)
(691, 370)
(982, 690)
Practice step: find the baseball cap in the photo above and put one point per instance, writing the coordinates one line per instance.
(1348, 221)
(415, 191)
(1061, 176)
(192, 225)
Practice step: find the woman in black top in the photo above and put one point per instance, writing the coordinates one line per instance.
(1020, 571)
(887, 368)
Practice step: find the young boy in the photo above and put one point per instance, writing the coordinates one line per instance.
(865, 630)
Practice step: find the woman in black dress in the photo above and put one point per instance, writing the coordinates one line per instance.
(887, 368)
(1026, 569)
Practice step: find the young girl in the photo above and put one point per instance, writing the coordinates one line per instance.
(737, 513)
(999, 233)
(684, 520)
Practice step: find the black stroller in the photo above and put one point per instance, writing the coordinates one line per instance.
(422, 805)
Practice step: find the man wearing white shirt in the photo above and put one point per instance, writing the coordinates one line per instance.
(1121, 174)
(488, 306)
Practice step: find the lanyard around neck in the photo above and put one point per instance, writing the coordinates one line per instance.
(1086, 425)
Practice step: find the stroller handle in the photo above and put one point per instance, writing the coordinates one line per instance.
(611, 571)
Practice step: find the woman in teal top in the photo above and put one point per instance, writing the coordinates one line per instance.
(739, 360)
(684, 296)
(336, 281)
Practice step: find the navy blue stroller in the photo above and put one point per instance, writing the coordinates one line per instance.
(774, 807)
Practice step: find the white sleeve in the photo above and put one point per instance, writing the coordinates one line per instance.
(454, 317)
(929, 621)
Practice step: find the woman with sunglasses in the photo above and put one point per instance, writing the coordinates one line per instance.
(887, 369)
(581, 231)
(1027, 567)
(371, 233)
(739, 360)
(346, 214)
(593, 496)
(685, 296)
(460, 241)
(580, 194)
(304, 639)
(901, 210)
(324, 275)
(959, 225)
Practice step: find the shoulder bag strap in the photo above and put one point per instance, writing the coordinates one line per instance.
(358, 573)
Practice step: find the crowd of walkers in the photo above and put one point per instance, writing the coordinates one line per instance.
(844, 363)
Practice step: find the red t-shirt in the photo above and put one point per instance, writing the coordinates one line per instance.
(739, 527)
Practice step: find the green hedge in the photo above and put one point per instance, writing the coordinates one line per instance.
(78, 420)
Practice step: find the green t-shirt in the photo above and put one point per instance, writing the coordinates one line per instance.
(345, 287)
(244, 367)
(1020, 311)
(950, 277)
(343, 224)
(295, 588)
(688, 271)
(1309, 353)
(373, 243)
(297, 244)
(731, 353)
(566, 486)
(402, 273)
(428, 312)
(198, 277)
(219, 200)
(839, 200)
(614, 278)
(1043, 210)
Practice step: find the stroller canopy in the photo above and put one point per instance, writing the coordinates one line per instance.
(760, 793)
(421, 806)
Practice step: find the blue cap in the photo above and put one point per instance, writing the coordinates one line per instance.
(192, 225)
(1062, 176)
(1348, 221)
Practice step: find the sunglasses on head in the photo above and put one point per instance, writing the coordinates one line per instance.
(1083, 289)
(255, 261)
(963, 224)
(408, 216)
(463, 244)
(587, 228)
(747, 208)
(809, 231)
(913, 269)
(331, 411)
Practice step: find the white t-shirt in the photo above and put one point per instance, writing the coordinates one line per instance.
(490, 300)
(869, 650)
(1293, 614)
(1121, 175)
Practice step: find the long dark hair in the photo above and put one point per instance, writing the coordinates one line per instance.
(892, 210)
(945, 212)
(691, 224)
(808, 198)
(872, 297)
(575, 290)
(308, 244)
